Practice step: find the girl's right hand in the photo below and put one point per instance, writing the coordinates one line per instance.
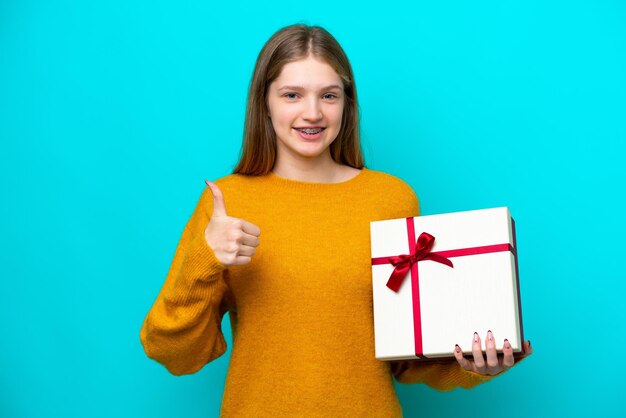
(232, 240)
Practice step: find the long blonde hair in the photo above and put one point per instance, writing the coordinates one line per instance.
(289, 44)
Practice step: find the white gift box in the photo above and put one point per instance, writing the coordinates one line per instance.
(437, 306)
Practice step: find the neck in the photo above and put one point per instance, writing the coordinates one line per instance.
(316, 170)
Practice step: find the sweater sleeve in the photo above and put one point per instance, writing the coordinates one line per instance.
(183, 330)
(444, 375)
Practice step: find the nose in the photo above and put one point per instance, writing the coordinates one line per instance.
(312, 110)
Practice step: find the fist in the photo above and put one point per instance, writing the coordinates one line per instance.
(232, 240)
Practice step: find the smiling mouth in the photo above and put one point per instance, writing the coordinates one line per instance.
(310, 131)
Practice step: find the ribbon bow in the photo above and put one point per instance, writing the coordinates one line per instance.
(404, 262)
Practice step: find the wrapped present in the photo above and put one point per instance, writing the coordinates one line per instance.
(438, 279)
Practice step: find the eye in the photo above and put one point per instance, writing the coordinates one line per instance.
(291, 96)
(330, 96)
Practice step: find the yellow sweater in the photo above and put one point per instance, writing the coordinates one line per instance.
(301, 311)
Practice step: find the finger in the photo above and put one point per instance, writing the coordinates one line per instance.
(241, 260)
(219, 207)
(246, 251)
(507, 360)
(528, 350)
(249, 240)
(251, 228)
(492, 354)
(477, 352)
(463, 362)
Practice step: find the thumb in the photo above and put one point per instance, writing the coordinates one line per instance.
(219, 207)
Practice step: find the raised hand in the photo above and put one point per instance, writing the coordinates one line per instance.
(232, 240)
(494, 364)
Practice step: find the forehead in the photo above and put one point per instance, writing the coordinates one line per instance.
(309, 71)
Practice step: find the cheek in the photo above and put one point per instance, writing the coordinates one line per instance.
(282, 116)
(281, 123)
(338, 116)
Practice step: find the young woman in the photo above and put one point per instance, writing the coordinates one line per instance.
(282, 245)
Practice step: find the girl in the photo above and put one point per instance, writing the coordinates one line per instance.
(282, 245)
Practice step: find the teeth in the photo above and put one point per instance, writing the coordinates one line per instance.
(311, 131)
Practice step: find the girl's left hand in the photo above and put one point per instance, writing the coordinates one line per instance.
(495, 364)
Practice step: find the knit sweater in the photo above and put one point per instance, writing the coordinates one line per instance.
(301, 311)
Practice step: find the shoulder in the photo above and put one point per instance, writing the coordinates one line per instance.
(233, 180)
(240, 193)
(233, 187)
(393, 189)
(387, 180)
(230, 185)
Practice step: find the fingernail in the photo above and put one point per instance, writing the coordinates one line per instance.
(528, 343)
(207, 182)
(507, 344)
(489, 335)
(457, 348)
(475, 337)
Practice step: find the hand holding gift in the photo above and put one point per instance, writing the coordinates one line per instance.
(438, 278)
(495, 364)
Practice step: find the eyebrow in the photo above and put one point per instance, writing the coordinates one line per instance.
(300, 88)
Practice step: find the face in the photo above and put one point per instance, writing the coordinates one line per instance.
(306, 105)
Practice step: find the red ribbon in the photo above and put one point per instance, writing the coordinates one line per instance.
(403, 263)
(421, 250)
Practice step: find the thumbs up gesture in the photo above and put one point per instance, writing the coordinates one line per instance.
(233, 240)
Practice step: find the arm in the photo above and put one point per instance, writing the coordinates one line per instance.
(443, 376)
(182, 330)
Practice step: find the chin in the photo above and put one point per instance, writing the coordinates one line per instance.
(311, 153)
(309, 150)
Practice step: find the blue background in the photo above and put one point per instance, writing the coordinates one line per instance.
(113, 112)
